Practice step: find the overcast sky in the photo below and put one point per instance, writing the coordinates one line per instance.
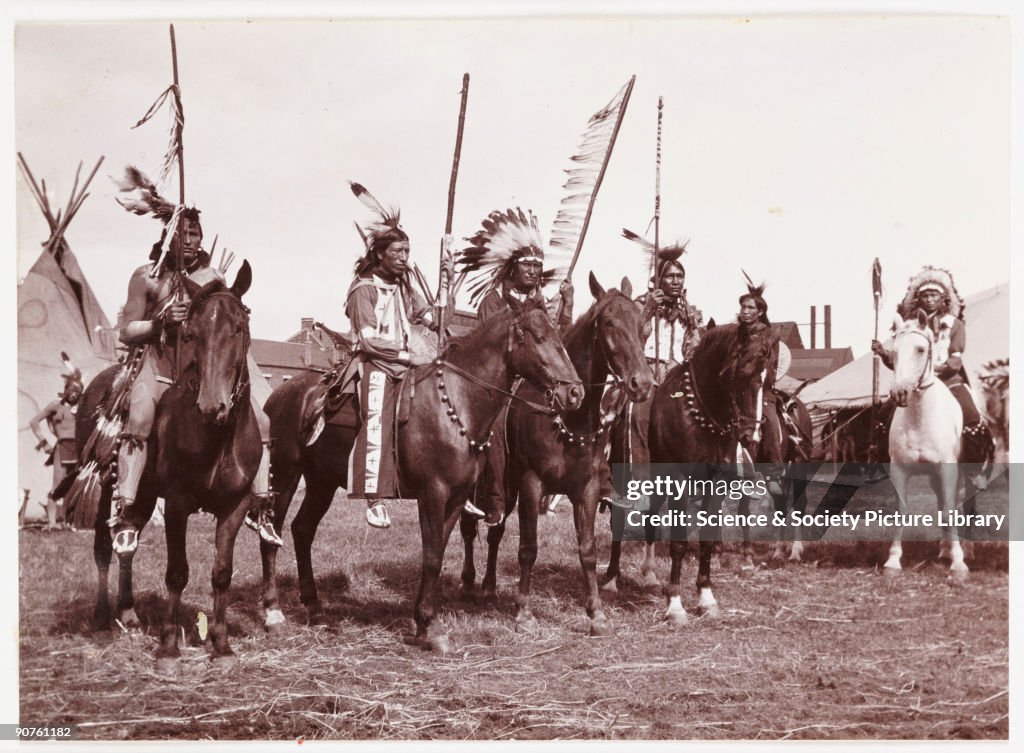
(797, 149)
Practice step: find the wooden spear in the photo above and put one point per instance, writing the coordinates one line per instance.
(446, 243)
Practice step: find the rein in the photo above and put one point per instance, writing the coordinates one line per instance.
(441, 364)
(928, 361)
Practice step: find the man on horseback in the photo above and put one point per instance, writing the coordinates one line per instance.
(388, 318)
(59, 416)
(933, 292)
(753, 318)
(671, 329)
(509, 250)
(152, 316)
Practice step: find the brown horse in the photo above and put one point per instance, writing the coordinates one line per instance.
(203, 454)
(452, 406)
(566, 455)
(693, 420)
(206, 459)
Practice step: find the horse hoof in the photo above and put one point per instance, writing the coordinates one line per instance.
(275, 621)
(100, 623)
(958, 576)
(710, 611)
(891, 573)
(748, 567)
(169, 666)
(601, 628)
(129, 619)
(467, 592)
(610, 587)
(489, 595)
(677, 617)
(439, 644)
(224, 662)
(526, 623)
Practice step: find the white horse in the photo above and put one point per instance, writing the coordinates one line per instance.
(924, 438)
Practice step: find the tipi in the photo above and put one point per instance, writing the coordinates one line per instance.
(57, 311)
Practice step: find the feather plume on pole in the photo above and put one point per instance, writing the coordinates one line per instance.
(586, 173)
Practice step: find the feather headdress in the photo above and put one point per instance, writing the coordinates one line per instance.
(755, 290)
(73, 375)
(665, 253)
(139, 195)
(504, 239)
(387, 221)
(935, 279)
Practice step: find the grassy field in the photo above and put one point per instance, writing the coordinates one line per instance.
(827, 649)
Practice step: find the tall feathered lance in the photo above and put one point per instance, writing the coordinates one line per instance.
(444, 284)
(586, 175)
(657, 238)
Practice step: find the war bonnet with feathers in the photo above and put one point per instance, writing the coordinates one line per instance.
(503, 239)
(666, 254)
(936, 279)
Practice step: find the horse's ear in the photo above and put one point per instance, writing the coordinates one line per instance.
(243, 280)
(515, 304)
(922, 319)
(711, 324)
(191, 287)
(595, 287)
(626, 287)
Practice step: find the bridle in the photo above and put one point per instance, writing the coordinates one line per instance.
(242, 381)
(928, 360)
(516, 336)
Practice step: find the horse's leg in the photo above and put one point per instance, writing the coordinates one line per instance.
(102, 552)
(176, 578)
(748, 550)
(618, 526)
(900, 482)
(319, 494)
(649, 566)
(285, 487)
(145, 504)
(530, 492)
(223, 564)
(584, 512)
(468, 529)
(706, 604)
(946, 486)
(433, 525)
(676, 613)
(797, 494)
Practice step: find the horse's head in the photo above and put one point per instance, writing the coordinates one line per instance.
(912, 349)
(618, 325)
(218, 324)
(536, 353)
(744, 361)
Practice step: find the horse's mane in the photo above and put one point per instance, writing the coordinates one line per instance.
(729, 344)
(483, 331)
(213, 286)
(580, 326)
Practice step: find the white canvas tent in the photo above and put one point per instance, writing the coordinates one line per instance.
(57, 311)
(987, 315)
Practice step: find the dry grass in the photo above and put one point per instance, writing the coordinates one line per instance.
(823, 650)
